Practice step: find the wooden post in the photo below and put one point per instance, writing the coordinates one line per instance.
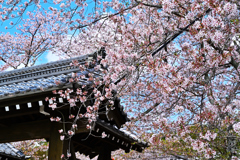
(105, 153)
(58, 147)
(73, 157)
(55, 144)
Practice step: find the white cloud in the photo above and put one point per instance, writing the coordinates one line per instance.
(51, 57)
(11, 68)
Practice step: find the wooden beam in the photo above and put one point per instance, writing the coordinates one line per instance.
(24, 110)
(25, 131)
(32, 130)
(17, 114)
(34, 97)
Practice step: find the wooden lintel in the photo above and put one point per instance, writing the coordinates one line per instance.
(32, 130)
(25, 131)
(17, 114)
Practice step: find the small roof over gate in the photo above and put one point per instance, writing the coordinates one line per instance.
(22, 105)
(8, 151)
(42, 77)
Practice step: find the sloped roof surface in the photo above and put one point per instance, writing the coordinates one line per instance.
(41, 77)
(6, 149)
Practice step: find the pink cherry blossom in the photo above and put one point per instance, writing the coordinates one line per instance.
(62, 137)
(60, 131)
(62, 5)
(104, 135)
(70, 133)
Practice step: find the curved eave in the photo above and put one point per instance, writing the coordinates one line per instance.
(126, 141)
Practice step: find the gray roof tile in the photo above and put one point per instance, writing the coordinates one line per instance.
(41, 77)
(7, 149)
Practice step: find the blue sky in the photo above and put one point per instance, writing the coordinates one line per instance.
(48, 56)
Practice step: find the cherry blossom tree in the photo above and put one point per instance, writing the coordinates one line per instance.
(173, 63)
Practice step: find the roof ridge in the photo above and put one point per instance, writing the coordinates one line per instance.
(43, 70)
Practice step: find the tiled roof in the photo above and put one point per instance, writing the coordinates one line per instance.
(7, 150)
(41, 77)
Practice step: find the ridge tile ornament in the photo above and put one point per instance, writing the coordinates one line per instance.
(25, 115)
